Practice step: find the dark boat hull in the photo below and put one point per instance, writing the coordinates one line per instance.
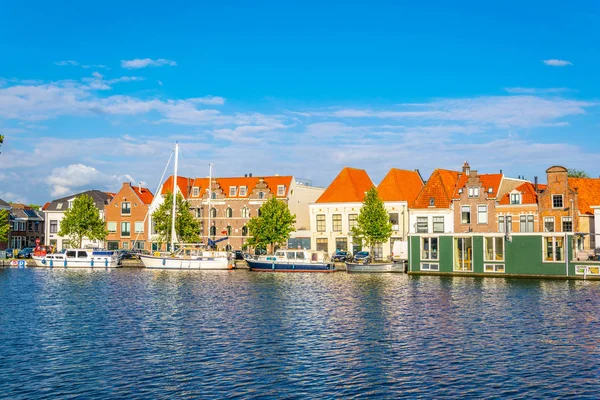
(270, 266)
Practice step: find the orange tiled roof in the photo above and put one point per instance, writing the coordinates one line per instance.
(182, 182)
(529, 196)
(144, 194)
(348, 187)
(440, 187)
(400, 185)
(249, 182)
(588, 193)
(487, 181)
(45, 205)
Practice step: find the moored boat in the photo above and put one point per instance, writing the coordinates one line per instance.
(376, 267)
(292, 261)
(78, 258)
(189, 257)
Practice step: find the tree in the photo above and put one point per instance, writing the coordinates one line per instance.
(1, 139)
(273, 226)
(4, 225)
(187, 229)
(576, 173)
(373, 223)
(81, 221)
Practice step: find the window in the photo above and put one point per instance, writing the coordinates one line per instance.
(232, 190)
(213, 212)
(321, 223)
(515, 198)
(557, 201)
(322, 244)
(243, 190)
(245, 212)
(125, 229)
(526, 223)
(213, 195)
(229, 212)
(429, 248)
(59, 206)
(463, 254)
(244, 230)
(139, 245)
(228, 230)
(125, 208)
(125, 245)
(438, 224)
(54, 226)
(394, 221)
(213, 230)
(430, 267)
(195, 191)
(422, 225)
(352, 221)
(261, 195)
(553, 248)
(473, 192)
(280, 190)
(567, 224)
(493, 248)
(139, 227)
(498, 268)
(431, 201)
(548, 224)
(465, 217)
(112, 245)
(111, 226)
(508, 221)
(336, 220)
(341, 244)
(199, 212)
(482, 215)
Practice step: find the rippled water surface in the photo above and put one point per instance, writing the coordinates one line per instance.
(145, 334)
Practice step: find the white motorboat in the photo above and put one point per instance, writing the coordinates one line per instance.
(78, 258)
(189, 257)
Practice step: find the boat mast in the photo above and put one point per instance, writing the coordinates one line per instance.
(174, 198)
(209, 197)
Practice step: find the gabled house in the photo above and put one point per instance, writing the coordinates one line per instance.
(558, 203)
(432, 211)
(398, 190)
(517, 210)
(55, 212)
(126, 217)
(27, 226)
(335, 212)
(588, 195)
(475, 201)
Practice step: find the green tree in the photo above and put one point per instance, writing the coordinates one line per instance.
(187, 229)
(81, 221)
(4, 225)
(373, 224)
(576, 173)
(273, 226)
(1, 139)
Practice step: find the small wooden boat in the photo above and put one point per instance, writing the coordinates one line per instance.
(376, 267)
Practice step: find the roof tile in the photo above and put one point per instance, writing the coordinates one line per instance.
(440, 187)
(400, 185)
(588, 193)
(349, 186)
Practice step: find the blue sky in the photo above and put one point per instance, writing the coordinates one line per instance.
(95, 94)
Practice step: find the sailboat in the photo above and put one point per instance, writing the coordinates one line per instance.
(188, 256)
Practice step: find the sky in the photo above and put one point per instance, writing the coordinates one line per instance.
(96, 94)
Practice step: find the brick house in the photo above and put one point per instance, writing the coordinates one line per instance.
(588, 195)
(234, 200)
(517, 210)
(558, 203)
(126, 216)
(27, 226)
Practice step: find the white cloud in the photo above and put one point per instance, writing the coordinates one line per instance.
(97, 75)
(525, 90)
(66, 63)
(11, 197)
(557, 63)
(146, 62)
(67, 179)
(213, 100)
(99, 66)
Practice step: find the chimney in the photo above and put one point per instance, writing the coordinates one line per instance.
(140, 186)
(500, 172)
(250, 174)
(466, 168)
(245, 175)
(535, 179)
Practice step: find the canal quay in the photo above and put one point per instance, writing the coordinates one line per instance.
(137, 333)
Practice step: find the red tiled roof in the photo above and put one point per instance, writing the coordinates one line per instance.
(487, 181)
(440, 186)
(45, 205)
(144, 194)
(249, 182)
(528, 194)
(348, 187)
(588, 193)
(400, 185)
(182, 183)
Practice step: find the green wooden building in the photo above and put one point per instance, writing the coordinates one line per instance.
(497, 254)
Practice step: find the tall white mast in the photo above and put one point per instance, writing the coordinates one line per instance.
(209, 197)
(174, 198)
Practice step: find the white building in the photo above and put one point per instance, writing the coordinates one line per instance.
(55, 212)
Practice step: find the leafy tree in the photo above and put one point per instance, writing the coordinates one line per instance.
(81, 221)
(273, 226)
(187, 229)
(4, 225)
(576, 173)
(373, 223)
(1, 139)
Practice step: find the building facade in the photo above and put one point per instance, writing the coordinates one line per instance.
(5, 206)
(517, 210)
(27, 226)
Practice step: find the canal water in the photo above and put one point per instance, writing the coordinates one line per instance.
(236, 334)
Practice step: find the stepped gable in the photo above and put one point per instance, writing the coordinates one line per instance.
(440, 187)
(349, 186)
(400, 185)
(588, 193)
(528, 194)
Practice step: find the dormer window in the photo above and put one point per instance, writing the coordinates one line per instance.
(59, 206)
(280, 190)
(232, 190)
(515, 198)
(490, 190)
(432, 202)
(195, 191)
(473, 192)
(243, 191)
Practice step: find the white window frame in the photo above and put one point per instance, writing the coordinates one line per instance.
(562, 225)
(422, 225)
(462, 211)
(321, 218)
(480, 213)
(139, 227)
(430, 266)
(428, 255)
(494, 249)
(554, 249)
(232, 191)
(473, 192)
(562, 201)
(494, 268)
(440, 220)
(122, 224)
(113, 224)
(243, 191)
(548, 219)
(280, 190)
(336, 222)
(515, 198)
(195, 191)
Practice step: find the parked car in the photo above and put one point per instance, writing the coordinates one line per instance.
(9, 253)
(362, 257)
(25, 252)
(341, 256)
(238, 255)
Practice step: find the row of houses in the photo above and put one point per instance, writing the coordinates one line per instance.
(26, 226)
(448, 202)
